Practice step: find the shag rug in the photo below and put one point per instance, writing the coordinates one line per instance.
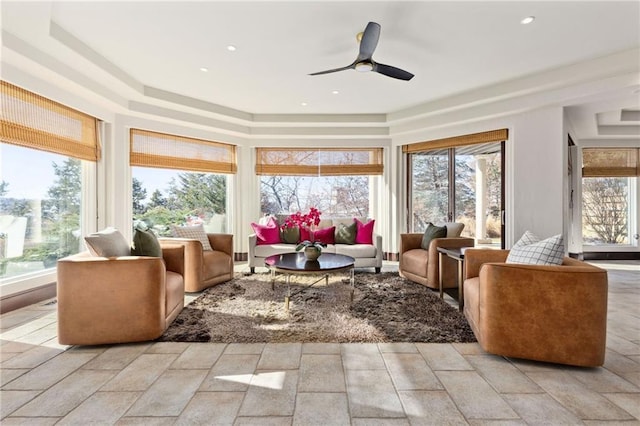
(385, 308)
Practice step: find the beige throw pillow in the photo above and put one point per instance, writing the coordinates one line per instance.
(193, 233)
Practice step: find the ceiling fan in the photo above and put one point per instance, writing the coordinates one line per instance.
(364, 62)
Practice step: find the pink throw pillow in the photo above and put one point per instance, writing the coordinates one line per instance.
(267, 234)
(325, 235)
(305, 234)
(364, 231)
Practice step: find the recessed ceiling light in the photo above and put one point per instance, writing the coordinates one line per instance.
(231, 48)
(335, 92)
(203, 69)
(528, 20)
(304, 103)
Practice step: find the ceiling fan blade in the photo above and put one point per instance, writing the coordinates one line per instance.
(333, 70)
(393, 72)
(369, 41)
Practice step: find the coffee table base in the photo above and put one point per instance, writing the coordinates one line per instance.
(325, 277)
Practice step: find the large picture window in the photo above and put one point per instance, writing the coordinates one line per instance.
(338, 182)
(44, 157)
(40, 209)
(180, 181)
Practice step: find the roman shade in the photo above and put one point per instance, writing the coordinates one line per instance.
(452, 142)
(319, 161)
(610, 162)
(152, 149)
(33, 121)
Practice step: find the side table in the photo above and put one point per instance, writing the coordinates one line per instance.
(456, 254)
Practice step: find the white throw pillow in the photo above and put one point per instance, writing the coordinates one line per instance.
(196, 232)
(531, 251)
(454, 229)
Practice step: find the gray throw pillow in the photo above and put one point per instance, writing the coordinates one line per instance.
(431, 233)
(145, 243)
(346, 234)
(108, 243)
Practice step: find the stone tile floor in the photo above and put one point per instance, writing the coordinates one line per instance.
(43, 383)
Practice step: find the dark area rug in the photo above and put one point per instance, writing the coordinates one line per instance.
(385, 308)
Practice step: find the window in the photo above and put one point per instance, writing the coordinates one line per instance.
(334, 196)
(179, 180)
(45, 157)
(335, 181)
(606, 210)
(609, 196)
(39, 209)
(162, 197)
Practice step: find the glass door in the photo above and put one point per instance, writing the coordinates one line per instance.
(479, 192)
(462, 184)
(429, 187)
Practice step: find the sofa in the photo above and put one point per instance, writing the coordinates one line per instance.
(550, 313)
(104, 300)
(421, 266)
(365, 255)
(205, 268)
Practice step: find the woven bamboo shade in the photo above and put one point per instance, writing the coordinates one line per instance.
(472, 139)
(33, 121)
(610, 162)
(151, 149)
(319, 161)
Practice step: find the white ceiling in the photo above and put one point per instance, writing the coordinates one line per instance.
(134, 49)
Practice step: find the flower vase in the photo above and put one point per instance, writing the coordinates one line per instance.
(312, 253)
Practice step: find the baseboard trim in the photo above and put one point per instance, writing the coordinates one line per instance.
(611, 255)
(28, 297)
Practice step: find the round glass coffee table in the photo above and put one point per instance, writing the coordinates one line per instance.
(289, 264)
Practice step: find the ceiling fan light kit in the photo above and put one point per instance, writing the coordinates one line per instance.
(364, 62)
(364, 66)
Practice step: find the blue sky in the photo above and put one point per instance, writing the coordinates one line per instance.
(30, 172)
(153, 179)
(26, 170)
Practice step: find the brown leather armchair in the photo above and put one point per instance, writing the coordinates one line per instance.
(555, 313)
(421, 266)
(205, 268)
(117, 300)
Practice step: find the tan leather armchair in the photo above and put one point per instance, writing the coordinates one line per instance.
(117, 300)
(555, 313)
(421, 266)
(205, 268)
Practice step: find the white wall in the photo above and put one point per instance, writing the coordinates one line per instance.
(539, 166)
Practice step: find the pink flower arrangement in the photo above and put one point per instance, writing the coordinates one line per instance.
(300, 220)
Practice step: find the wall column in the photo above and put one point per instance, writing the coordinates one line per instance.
(481, 201)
